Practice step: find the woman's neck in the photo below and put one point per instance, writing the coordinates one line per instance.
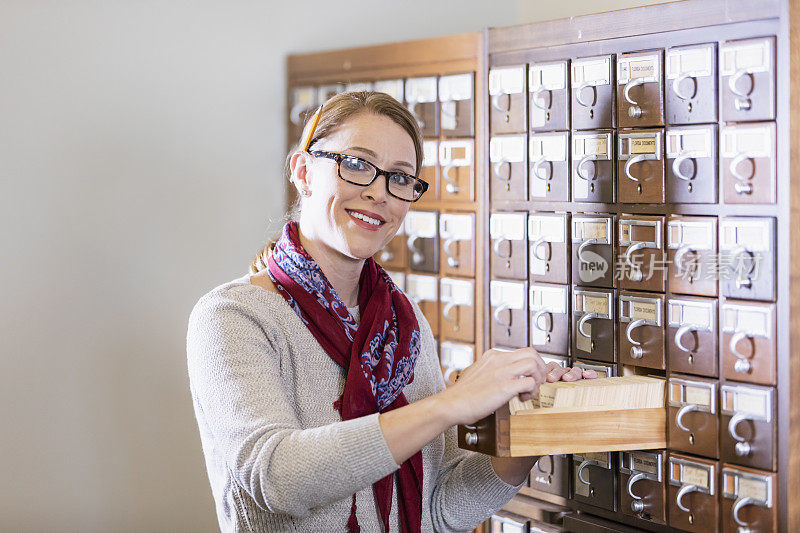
(342, 272)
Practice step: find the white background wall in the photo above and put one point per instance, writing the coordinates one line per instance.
(141, 151)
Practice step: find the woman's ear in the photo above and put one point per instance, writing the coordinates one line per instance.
(300, 166)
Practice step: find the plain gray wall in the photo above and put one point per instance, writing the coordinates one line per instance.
(141, 152)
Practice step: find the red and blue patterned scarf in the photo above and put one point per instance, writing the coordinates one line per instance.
(379, 354)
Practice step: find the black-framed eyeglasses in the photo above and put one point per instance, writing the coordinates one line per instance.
(359, 171)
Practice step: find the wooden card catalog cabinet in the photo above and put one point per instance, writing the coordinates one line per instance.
(395, 254)
(457, 163)
(592, 326)
(549, 247)
(455, 357)
(549, 306)
(643, 485)
(747, 79)
(748, 426)
(424, 291)
(593, 167)
(394, 88)
(457, 236)
(457, 298)
(640, 90)
(691, 91)
(507, 112)
(692, 494)
(748, 500)
(509, 245)
(749, 352)
(421, 228)
(549, 166)
(549, 96)
(642, 253)
(691, 254)
(747, 251)
(641, 331)
(693, 426)
(507, 167)
(457, 105)
(421, 98)
(550, 474)
(593, 101)
(692, 336)
(593, 480)
(640, 167)
(692, 164)
(748, 164)
(593, 258)
(508, 301)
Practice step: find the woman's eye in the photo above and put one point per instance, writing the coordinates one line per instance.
(354, 165)
(401, 179)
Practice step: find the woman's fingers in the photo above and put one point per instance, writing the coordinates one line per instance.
(589, 374)
(556, 372)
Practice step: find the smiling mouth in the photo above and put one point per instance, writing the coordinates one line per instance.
(369, 220)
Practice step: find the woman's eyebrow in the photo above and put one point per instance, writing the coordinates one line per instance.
(375, 156)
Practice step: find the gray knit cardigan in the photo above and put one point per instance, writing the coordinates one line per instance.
(278, 455)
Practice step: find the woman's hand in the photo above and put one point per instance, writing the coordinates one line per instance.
(495, 378)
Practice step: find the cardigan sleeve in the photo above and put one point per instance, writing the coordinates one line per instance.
(467, 490)
(241, 399)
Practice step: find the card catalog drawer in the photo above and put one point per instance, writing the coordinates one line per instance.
(508, 167)
(457, 297)
(550, 318)
(593, 250)
(748, 425)
(421, 98)
(691, 91)
(692, 255)
(509, 257)
(457, 163)
(592, 326)
(593, 167)
(748, 163)
(641, 253)
(549, 96)
(457, 236)
(424, 291)
(643, 485)
(749, 342)
(692, 503)
(457, 105)
(593, 479)
(549, 166)
(423, 240)
(747, 79)
(508, 301)
(692, 336)
(640, 89)
(549, 247)
(640, 167)
(593, 93)
(747, 256)
(692, 164)
(507, 99)
(692, 423)
(749, 500)
(641, 329)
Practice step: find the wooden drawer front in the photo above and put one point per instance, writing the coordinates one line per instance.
(507, 99)
(748, 426)
(692, 493)
(692, 423)
(593, 102)
(691, 153)
(692, 336)
(747, 79)
(691, 91)
(457, 105)
(549, 96)
(640, 89)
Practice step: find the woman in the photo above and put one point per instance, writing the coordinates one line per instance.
(298, 434)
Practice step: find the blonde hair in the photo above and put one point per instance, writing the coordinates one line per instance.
(336, 111)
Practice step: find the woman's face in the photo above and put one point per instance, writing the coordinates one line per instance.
(331, 212)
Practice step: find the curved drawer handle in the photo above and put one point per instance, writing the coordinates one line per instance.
(446, 311)
(676, 166)
(734, 166)
(535, 249)
(535, 98)
(676, 86)
(585, 318)
(386, 255)
(630, 162)
(631, 481)
(683, 330)
(542, 470)
(451, 187)
(496, 247)
(535, 319)
(416, 255)
(635, 270)
(679, 255)
(537, 165)
(496, 102)
(742, 446)
(741, 250)
(626, 92)
(583, 465)
(686, 489)
(742, 364)
(742, 502)
(583, 246)
(681, 413)
(632, 326)
(579, 91)
(452, 261)
(579, 168)
(295, 114)
(734, 80)
(499, 165)
(499, 309)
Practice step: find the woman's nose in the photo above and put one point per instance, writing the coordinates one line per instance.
(377, 189)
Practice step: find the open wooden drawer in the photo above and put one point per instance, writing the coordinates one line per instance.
(566, 430)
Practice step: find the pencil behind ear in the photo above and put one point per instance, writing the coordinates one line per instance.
(310, 135)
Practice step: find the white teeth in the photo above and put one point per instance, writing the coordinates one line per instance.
(365, 218)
